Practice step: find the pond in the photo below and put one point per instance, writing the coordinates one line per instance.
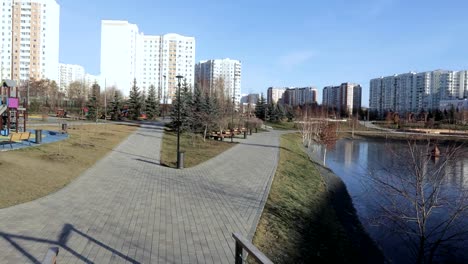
(359, 162)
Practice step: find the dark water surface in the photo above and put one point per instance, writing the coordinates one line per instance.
(355, 160)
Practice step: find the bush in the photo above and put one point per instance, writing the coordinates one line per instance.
(253, 123)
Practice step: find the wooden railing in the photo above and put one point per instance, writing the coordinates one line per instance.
(51, 256)
(241, 244)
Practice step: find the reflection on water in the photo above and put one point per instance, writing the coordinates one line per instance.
(355, 160)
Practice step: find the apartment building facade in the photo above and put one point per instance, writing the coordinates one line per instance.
(128, 54)
(29, 41)
(69, 73)
(413, 92)
(275, 95)
(299, 96)
(209, 73)
(248, 103)
(345, 98)
(119, 64)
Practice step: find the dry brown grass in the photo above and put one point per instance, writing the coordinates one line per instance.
(301, 222)
(30, 173)
(196, 150)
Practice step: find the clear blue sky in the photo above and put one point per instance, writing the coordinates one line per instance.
(288, 43)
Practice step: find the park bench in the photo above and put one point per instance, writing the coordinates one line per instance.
(19, 137)
(218, 135)
(226, 134)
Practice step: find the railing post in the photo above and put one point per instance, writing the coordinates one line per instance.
(244, 244)
(51, 256)
(239, 259)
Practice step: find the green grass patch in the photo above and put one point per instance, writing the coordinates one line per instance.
(282, 125)
(299, 224)
(196, 150)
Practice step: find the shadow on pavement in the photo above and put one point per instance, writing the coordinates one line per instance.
(67, 231)
(147, 161)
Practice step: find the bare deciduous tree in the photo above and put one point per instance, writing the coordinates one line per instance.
(417, 202)
(314, 126)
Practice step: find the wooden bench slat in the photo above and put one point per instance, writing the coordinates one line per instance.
(19, 137)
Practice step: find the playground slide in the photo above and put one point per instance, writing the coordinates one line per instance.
(2, 108)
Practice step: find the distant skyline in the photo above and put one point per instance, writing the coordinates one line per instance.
(292, 43)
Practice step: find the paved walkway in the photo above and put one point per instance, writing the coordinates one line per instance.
(129, 209)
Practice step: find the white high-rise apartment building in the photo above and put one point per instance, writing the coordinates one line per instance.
(209, 72)
(274, 94)
(29, 41)
(119, 45)
(90, 79)
(69, 73)
(412, 92)
(165, 57)
(299, 96)
(127, 54)
(345, 98)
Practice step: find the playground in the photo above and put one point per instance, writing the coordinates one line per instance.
(47, 136)
(14, 133)
(13, 110)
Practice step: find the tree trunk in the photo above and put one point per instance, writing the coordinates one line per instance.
(420, 258)
(324, 156)
(204, 133)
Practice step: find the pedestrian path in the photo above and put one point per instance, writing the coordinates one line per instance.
(129, 209)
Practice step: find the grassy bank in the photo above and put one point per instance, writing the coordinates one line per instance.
(301, 222)
(282, 125)
(442, 139)
(30, 173)
(196, 150)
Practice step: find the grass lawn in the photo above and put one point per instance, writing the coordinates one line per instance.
(30, 173)
(196, 150)
(299, 224)
(282, 125)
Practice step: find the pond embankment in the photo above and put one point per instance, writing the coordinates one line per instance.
(309, 216)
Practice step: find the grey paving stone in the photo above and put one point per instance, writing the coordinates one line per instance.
(128, 209)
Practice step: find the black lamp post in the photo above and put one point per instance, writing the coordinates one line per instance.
(164, 108)
(232, 119)
(179, 164)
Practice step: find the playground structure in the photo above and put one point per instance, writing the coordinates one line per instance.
(12, 115)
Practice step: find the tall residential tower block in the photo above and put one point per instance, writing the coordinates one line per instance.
(345, 98)
(222, 74)
(29, 41)
(127, 54)
(275, 95)
(414, 92)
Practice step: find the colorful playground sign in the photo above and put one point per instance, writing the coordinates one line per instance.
(13, 102)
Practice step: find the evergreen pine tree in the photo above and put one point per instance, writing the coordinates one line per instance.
(199, 110)
(143, 101)
(289, 113)
(116, 105)
(152, 103)
(186, 112)
(272, 114)
(93, 102)
(260, 108)
(134, 107)
(187, 107)
(280, 112)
